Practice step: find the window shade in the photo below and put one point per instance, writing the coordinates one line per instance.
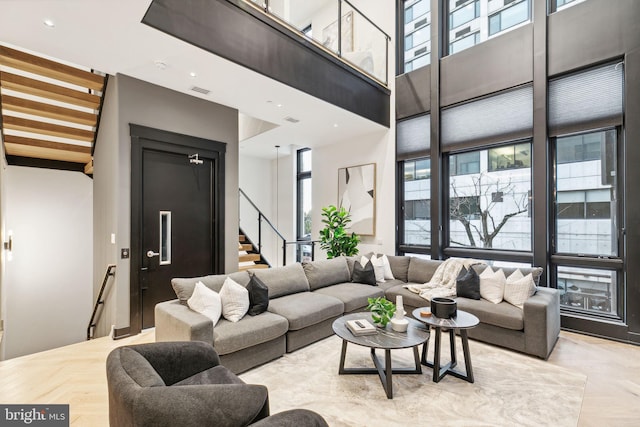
(502, 117)
(587, 100)
(413, 137)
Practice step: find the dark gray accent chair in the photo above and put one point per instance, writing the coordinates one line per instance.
(183, 384)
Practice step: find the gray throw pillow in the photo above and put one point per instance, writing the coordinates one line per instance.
(258, 296)
(365, 275)
(468, 284)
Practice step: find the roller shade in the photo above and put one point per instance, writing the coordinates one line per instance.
(413, 137)
(505, 116)
(587, 100)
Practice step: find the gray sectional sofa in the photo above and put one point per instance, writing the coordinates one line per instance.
(305, 299)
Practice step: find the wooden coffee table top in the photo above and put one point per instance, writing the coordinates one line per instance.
(386, 338)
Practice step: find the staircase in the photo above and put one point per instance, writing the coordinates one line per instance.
(50, 111)
(248, 256)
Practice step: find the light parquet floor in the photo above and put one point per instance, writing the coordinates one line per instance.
(75, 375)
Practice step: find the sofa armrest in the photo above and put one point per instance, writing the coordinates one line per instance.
(177, 322)
(293, 418)
(542, 322)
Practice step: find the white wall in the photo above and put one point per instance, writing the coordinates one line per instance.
(48, 282)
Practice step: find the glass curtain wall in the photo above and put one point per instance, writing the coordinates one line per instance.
(417, 34)
(303, 220)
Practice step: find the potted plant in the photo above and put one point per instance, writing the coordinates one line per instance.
(334, 238)
(382, 310)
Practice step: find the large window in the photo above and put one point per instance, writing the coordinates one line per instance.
(473, 21)
(510, 157)
(303, 220)
(489, 206)
(417, 34)
(416, 207)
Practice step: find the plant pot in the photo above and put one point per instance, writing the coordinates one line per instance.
(444, 308)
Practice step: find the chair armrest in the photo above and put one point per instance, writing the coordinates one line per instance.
(222, 405)
(177, 322)
(542, 321)
(293, 418)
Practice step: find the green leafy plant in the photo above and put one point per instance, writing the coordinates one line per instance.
(334, 238)
(382, 310)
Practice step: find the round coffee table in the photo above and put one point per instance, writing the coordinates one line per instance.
(461, 322)
(386, 339)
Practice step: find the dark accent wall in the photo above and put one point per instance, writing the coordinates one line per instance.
(580, 36)
(242, 35)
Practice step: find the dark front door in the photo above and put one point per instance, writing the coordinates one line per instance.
(177, 226)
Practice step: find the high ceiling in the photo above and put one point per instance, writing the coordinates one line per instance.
(107, 36)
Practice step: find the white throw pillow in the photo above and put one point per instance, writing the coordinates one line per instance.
(492, 285)
(206, 302)
(388, 274)
(378, 267)
(519, 289)
(235, 300)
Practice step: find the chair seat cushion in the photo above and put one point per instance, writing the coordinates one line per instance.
(353, 295)
(503, 314)
(229, 337)
(306, 308)
(216, 375)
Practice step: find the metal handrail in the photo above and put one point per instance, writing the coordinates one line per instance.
(262, 217)
(99, 301)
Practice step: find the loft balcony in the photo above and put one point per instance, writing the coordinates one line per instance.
(300, 43)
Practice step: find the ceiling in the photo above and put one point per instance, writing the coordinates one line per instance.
(107, 36)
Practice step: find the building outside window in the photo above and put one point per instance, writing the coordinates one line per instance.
(416, 206)
(489, 206)
(417, 34)
(556, 5)
(472, 22)
(303, 220)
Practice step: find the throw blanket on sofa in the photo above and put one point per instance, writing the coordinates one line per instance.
(443, 282)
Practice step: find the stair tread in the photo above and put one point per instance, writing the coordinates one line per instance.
(251, 267)
(250, 257)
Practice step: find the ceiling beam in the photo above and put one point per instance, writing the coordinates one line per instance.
(42, 128)
(48, 90)
(27, 106)
(47, 68)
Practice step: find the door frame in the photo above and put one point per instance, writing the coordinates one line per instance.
(146, 138)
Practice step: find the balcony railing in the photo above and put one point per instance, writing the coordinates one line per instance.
(354, 38)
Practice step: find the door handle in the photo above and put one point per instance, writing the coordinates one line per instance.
(151, 254)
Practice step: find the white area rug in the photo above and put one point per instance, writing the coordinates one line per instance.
(510, 389)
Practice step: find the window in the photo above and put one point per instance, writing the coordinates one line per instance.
(587, 289)
(556, 5)
(489, 208)
(416, 34)
(514, 14)
(585, 189)
(510, 157)
(416, 205)
(464, 163)
(472, 22)
(303, 219)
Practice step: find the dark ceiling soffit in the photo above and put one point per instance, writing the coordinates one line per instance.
(33, 162)
(236, 32)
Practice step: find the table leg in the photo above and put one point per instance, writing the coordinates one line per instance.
(467, 355)
(343, 355)
(452, 346)
(436, 356)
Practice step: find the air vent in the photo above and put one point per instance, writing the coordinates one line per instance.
(200, 90)
(291, 119)
(463, 32)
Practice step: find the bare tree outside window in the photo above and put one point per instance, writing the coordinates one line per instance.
(476, 207)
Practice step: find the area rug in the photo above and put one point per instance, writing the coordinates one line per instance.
(510, 389)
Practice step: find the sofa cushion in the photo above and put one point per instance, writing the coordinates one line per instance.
(306, 308)
(353, 295)
(536, 272)
(421, 270)
(206, 302)
(492, 285)
(364, 274)
(216, 375)
(183, 287)
(409, 298)
(326, 272)
(284, 280)
(519, 288)
(139, 369)
(503, 315)
(400, 267)
(235, 300)
(468, 284)
(229, 337)
(258, 296)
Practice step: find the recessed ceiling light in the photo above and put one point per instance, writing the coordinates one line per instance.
(49, 23)
(192, 74)
(279, 105)
(335, 125)
(160, 64)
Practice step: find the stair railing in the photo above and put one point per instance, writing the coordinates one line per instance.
(263, 219)
(111, 271)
